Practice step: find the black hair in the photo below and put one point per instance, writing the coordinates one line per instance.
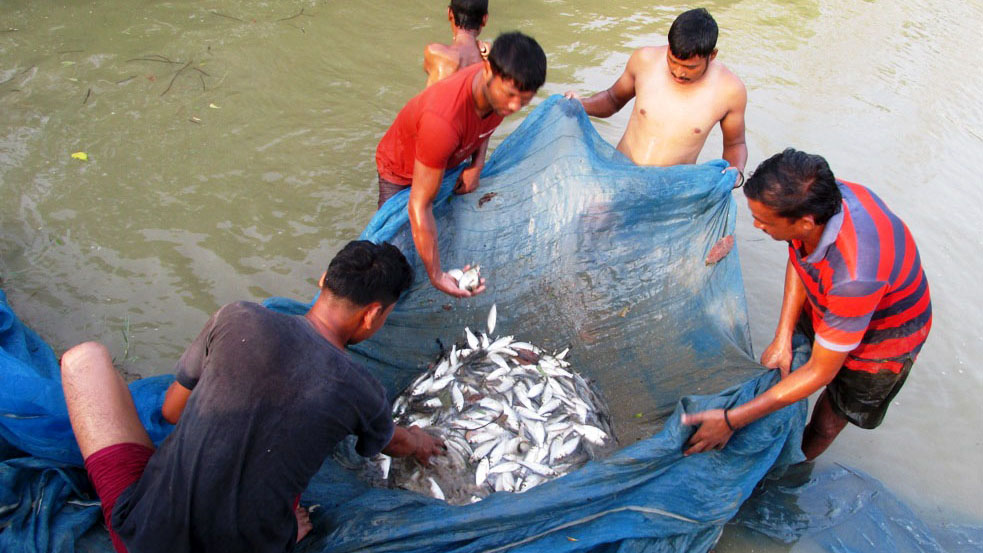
(693, 33)
(796, 184)
(364, 272)
(469, 14)
(518, 58)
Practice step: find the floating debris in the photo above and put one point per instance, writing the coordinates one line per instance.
(486, 198)
(720, 249)
(511, 415)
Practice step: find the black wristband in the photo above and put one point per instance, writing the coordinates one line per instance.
(727, 420)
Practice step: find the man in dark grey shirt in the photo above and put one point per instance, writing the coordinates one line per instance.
(260, 400)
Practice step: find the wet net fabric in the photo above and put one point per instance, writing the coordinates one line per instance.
(581, 249)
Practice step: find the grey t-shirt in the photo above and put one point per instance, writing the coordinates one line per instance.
(271, 398)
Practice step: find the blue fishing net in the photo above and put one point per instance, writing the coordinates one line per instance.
(581, 249)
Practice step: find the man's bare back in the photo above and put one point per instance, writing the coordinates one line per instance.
(671, 120)
(467, 18)
(442, 60)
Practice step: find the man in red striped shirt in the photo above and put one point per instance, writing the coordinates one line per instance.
(854, 272)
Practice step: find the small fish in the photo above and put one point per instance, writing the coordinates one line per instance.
(457, 397)
(720, 250)
(385, 462)
(511, 416)
(435, 489)
(472, 339)
(486, 198)
(492, 318)
(592, 434)
(481, 473)
(470, 279)
(483, 450)
(508, 466)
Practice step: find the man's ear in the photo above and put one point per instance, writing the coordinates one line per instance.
(712, 55)
(484, 21)
(371, 315)
(320, 282)
(450, 15)
(807, 223)
(486, 70)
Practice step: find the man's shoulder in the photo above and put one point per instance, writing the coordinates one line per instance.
(437, 53)
(651, 52)
(647, 57)
(244, 313)
(240, 307)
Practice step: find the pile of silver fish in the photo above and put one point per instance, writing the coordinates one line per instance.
(511, 415)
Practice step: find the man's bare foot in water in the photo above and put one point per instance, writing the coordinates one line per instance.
(303, 522)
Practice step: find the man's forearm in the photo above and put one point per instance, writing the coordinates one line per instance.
(736, 155)
(793, 300)
(818, 371)
(423, 227)
(602, 104)
(401, 444)
(796, 386)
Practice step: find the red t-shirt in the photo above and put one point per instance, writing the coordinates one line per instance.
(438, 126)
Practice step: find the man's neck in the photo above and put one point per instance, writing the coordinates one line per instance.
(327, 322)
(811, 241)
(464, 37)
(482, 106)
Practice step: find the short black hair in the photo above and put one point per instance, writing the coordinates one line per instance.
(364, 272)
(693, 33)
(469, 14)
(796, 184)
(518, 58)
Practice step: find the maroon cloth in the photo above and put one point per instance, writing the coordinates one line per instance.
(112, 469)
(388, 190)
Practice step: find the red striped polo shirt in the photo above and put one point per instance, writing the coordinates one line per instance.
(866, 289)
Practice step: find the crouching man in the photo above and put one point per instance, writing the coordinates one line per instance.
(854, 284)
(260, 400)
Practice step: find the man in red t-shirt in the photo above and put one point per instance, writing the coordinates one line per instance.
(854, 285)
(451, 122)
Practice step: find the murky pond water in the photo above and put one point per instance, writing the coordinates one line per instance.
(231, 153)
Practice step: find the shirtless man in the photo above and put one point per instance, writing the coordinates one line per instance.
(467, 18)
(681, 93)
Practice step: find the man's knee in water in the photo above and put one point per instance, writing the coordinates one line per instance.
(81, 358)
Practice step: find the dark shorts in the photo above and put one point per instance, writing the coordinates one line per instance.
(860, 397)
(863, 397)
(113, 469)
(388, 190)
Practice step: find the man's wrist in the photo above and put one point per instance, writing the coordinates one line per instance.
(727, 421)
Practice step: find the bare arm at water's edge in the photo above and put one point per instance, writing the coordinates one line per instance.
(423, 191)
(778, 354)
(732, 126)
(714, 431)
(608, 102)
(468, 180)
